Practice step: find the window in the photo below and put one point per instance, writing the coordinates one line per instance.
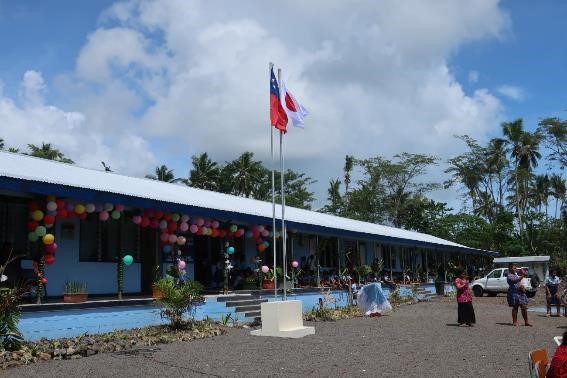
(13, 228)
(103, 241)
(495, 274)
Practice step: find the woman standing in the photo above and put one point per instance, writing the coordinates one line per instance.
(552, 292)
(516, 295)
(464, 300)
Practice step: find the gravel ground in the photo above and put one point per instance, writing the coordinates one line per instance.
(421, 340)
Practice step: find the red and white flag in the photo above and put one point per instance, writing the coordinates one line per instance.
(294, 109)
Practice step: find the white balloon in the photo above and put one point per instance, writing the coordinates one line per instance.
(90, 208)
(184, 218)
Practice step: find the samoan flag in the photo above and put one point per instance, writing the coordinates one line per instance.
(278, 116)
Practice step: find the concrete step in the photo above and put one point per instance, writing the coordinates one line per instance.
(232, 298)
(253, 314)
(247, 308)
(245, 302)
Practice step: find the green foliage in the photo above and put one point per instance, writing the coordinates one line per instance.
(363, 271)
(46, 151)
(10, 336)
(162, 173)
(75, 287)
(178, 299)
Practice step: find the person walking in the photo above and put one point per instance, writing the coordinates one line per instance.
(517, 295)
(552, 292)
(465, 310)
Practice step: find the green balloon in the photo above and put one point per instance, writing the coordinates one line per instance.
(40, 231)
(115, 215)
(127, 260)
(175, 217)
(32, 236)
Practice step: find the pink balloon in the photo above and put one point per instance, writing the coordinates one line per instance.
(137, 219)
(183, 227)
(181, 264)
(172, 238)
(294, 264)
(199, 222)
(265, 269)
(194, 228)
(163, 224)
(260, 228)
(120, 207)
(154, 223)
(103, 215)
(164, 237)
(265, 233)
(51, 248)
(215, 224)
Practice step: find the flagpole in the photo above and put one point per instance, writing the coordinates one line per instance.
(284, 232)
(273, 196)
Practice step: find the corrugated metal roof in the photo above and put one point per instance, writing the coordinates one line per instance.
(30, 169)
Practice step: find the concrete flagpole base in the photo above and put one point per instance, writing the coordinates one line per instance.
(283, 319)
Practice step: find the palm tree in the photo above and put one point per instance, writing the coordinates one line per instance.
(497, 163)
(558, 190)
(205, 173)
(244, 175)
(163, 173)
(1, 143)
(540, 192)
(334, 198)
(46, 151)
(349, 163)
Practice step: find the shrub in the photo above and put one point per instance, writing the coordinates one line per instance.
(178, 299)
(75, 287)
(10, 336)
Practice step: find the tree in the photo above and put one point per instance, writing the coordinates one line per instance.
(554, 131)
(205, 173)
(296, 189)
(245, 176)
(162, 173)
(1, 144)
(334, 200)
(558, 191)
(349, 164)
(46, 151)
(540, 192)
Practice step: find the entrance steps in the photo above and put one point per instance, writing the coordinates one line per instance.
(424, 295)
(246, 304)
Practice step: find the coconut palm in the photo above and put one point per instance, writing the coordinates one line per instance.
(558, 190)
(162, 173)
(1, 143)
(205, 173)
(349, 164)
(244, 175)
(47, 151)
(540, 192)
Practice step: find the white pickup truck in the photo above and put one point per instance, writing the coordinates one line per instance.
(495, 282)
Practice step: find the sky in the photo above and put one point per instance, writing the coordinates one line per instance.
(148, 82)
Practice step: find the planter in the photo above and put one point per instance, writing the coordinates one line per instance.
(156, 293)
(75, 297)
(268, 284)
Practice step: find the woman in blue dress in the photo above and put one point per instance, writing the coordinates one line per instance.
(517, 295)
(372, 301)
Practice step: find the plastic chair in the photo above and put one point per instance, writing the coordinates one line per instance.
(538, 361)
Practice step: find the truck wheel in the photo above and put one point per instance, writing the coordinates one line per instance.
(478, 291)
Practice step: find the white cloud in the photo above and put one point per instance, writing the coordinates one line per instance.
(512, 92)
(32, 88)
(192, 76)
(473, 77)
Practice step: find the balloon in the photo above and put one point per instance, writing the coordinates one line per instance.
(43, 280)
(99, 207)
(108, 206)
(158, 214)
(215, 224)
(167, 248)
(60, 204)
(183, 227)
(261, 247)
(127, 260)
(37, 215)
(204, 231)
(181, 264)
(40, 231)
(265, 269)
(50, 198)
(62, 213)
(32, 225)
(294, 264)
(115, 214)
(193, 228)
(48, 259)
(164, 237)
(172, 238)
(103, 215)
(69, 207)
(120, 207)
(172, 227)
(266, 243)
(137, 219)
(145, 222)
(79, 208)
(51, 248)
(48, 239)
(260, 228)
(51, 206)
(167, 216)
(154, 223)
(259, 240)
(265, 233)
(199, 222)
(83, 216)
(249, 234)
(233, 228)
(90, 208)
(181, 240)
(163, 224)
(185, 218)
(175, 217)
(49, 219)
(32, 236)
(230, 250)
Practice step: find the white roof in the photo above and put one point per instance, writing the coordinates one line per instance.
(521, 259)
(22, 167)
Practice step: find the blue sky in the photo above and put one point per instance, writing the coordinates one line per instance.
(104, 88)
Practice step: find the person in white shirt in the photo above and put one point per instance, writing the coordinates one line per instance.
(552, 292)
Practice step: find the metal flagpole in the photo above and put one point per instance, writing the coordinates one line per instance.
(273, 197)
(284, 232)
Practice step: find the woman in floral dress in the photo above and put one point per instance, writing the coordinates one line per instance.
(464, 300)
(517, 295)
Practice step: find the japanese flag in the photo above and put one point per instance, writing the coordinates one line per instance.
(294, 109)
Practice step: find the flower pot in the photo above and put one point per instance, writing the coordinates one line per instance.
(75, 297)
(268, 284)
(156, 293)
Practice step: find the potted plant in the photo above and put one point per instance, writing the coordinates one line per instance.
(75, 292)
(268, 278)
(156, 292)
